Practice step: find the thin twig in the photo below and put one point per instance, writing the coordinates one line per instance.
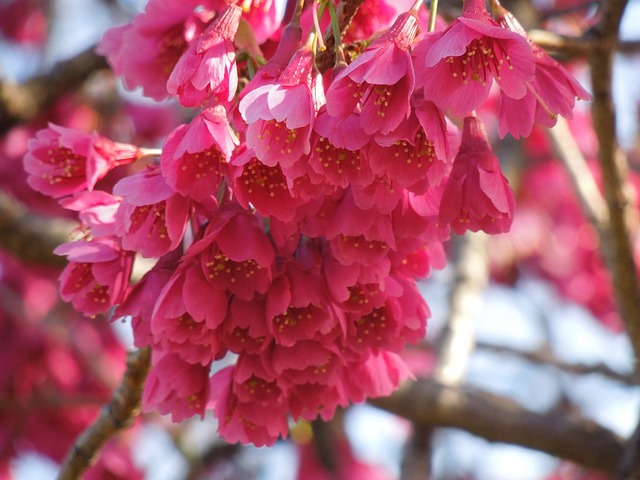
(545, 357)
(116, 415)
(591, 200)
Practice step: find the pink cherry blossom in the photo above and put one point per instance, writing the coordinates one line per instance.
(145, 51)
(379, 82)
(176, 387)
(242, 421)
(264, 188)
(62, 161)
(456, 67)
(477, 195)
(96, 211)
(242, 268)
(151, 218)
(207, 69)
(262, 16)
(96, 276)
(244, 329)
(409, 155)
(551, 92)
(140, 299)
(280, 115)
(186, 316)
(377, 376)
(195, 157)
(297, 308)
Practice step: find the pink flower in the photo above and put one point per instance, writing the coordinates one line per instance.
(245, 326)
(96, 276)
(379, 82)
(62, 161)
(280, 115)
(186, 316)
(145, 51)
(337, 152)
(263, 187)
(208, 68)
(151, 218)
(245, 422)
(297, 308)
(456, 67)
(96, 211)
(410, 156)
(176, 387)
(377, 376)
(195, 157)
(262, 15)
(477, 195)
(240, 267)
(551, 92)
(141, 297)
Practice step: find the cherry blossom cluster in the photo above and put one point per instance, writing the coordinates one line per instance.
(291, 218)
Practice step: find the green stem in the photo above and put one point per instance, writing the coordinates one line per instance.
(433, 12)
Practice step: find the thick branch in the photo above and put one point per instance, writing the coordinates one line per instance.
(497, 419)
(116, 415)
(617, 248)
(30, 237)
(23, 102)
(458, 340)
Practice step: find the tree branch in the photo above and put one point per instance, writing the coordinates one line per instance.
(31, 237)
(345, 13)
(23, 102)
(116, 415)
(458, 339)
(617, 248)
(592, 202)
(497, 419)
(544, 356)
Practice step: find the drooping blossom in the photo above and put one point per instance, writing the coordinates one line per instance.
(280, 114)
(241, 421)
(262, 187)
(207, 69)
(337, 152)
(176, 387)
(243, 268)
(145, 51)
(552, 91)
(195, 157)
(186, 314)
(96, 276)
(62, 161)
(262, 15)
(456, 67)
(151, 218)
(140, 298)
(96, 211)
(477, 195)
(410, 156)
(379, 82)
